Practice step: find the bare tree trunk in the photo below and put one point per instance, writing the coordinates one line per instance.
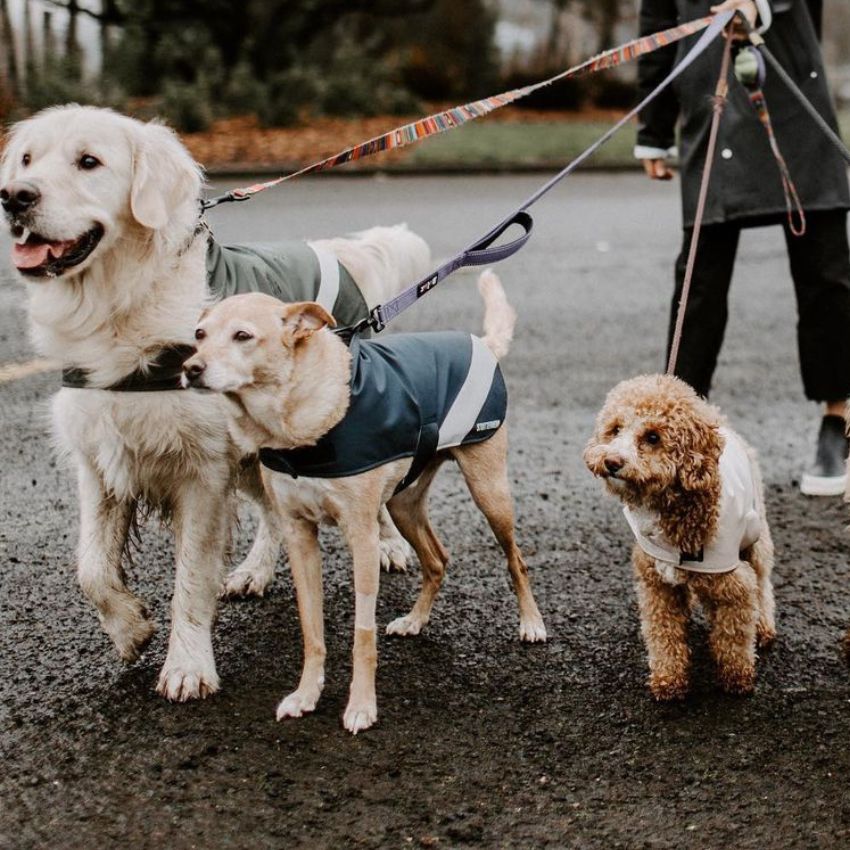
(554, 52)
(608, 15)
(30, 63)
(73, 52)
(9, 72)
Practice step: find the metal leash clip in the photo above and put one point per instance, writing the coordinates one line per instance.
(227, 197)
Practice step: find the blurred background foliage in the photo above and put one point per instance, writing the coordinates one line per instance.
(193, 61)
(287, 61)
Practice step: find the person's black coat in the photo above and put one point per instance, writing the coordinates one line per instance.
(745, 181)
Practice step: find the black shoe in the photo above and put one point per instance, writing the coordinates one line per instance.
(828, 475)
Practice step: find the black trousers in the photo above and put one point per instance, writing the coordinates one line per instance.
(820, 267)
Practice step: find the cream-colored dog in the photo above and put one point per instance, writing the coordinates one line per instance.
(291, 376)
(104, 211)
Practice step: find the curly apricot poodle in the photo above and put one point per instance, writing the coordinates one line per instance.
(693, 497)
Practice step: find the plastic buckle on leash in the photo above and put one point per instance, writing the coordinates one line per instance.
(376, 319)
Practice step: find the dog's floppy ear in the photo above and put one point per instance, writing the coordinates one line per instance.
(10, 153)
(303, 318)
(699, 464)
(164, 176)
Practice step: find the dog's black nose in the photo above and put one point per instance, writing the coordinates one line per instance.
(193, 371)
(614, 464)
(19, 196)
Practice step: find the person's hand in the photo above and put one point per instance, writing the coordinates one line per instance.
(656, 169)
(746, 7)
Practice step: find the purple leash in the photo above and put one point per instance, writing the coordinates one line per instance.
(482, 251)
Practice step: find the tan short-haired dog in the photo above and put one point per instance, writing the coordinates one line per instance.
(693, 497)
(296, 382)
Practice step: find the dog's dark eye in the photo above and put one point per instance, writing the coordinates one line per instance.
(614, 430)
(242, 336)
(26, 159)
(200, 333)
(88, 162)
(652, 437)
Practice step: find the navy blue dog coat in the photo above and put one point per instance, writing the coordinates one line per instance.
(411, 395)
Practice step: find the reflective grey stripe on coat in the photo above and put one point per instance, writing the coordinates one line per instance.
(328, 278)
(463, 414)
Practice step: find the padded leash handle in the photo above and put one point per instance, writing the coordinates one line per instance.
(483, 252)
(480, 253)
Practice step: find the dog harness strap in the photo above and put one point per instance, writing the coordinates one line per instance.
(738, 521)
(163, 373)
(429, 438)
(411, 396)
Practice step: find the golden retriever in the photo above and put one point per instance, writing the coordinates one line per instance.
(104, 211)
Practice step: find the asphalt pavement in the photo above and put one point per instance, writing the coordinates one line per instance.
(481, 741)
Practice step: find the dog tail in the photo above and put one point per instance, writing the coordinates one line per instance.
(499, 316)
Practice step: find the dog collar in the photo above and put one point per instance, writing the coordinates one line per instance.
(163, 373)
(290, 271)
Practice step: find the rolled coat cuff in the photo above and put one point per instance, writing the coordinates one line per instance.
(765, 11)
(650, 152)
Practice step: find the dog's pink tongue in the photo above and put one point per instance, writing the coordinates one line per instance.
(28, 256)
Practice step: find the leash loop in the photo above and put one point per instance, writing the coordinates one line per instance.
(751, 71)
(758, 42)
(481, 253)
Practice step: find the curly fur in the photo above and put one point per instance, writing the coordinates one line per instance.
(657, 446)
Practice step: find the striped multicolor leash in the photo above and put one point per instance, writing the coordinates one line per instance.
(483, 251)
(441, 122)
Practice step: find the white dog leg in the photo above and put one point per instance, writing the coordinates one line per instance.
(104, 524)
(395, 551)
(305, 561)
(362, 709)
(201, 527)
(256, 572)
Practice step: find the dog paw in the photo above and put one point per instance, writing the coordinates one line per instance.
(407, 626)
(242, 583)
(359, 716)
(180, 684)
(299, 703)
(765, 636)
(668, 689)
(395, 553)
(129, 628)
(738, 682)
(532, 630)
